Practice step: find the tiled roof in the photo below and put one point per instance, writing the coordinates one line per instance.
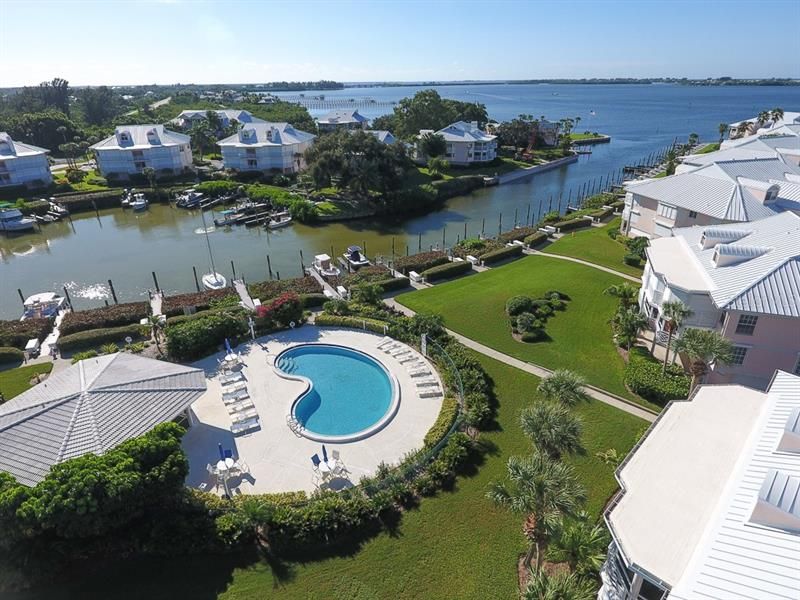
(140, 137)
(266, 134)
(91, 406)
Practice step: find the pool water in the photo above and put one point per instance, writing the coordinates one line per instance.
(350, 391)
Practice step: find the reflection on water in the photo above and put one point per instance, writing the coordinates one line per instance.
(96, 291)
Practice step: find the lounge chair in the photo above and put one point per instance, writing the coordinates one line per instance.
(245, 426)
(243, 416)
(421, 372)
(230, 397)
(391, 348)
(406, 359)
(340, 466)
(231, 377)
(383, 342)
(429, 393)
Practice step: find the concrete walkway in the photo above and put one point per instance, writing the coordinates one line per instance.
(585, 262)
(539, 371)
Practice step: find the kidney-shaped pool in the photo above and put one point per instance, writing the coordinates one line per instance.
(351, 395)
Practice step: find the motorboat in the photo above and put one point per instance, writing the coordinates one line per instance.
(139, 202)
(11, 219)
(189, 199)
(322, 264)
(127, 197)
(228, 217)
(355, 258)
(213, 281)
(279, 220)
(45, 305)
(57, 210)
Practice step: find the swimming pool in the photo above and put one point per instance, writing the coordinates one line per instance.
(350, 395)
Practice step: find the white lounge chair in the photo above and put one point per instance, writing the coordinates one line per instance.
(245, 426)
(406, 359)
(422, 372)
(231, 377)
(231, 397)
(244, 416)
(430, 393)
(390, 348)
(383, 342)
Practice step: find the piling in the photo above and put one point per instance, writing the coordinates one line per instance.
(515, 217)
(528, 216)
(155, 281)
(269, 267)
(444, 230)
(21, 297)
(196, 282)
(233, 269)
(302, 264)
(465, 230)
(500, 224)
(66, 295)
(113, 293)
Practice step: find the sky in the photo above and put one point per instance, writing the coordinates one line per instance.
(117, 42)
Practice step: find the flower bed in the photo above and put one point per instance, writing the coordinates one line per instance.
(448, 270)
(108, 316)
(93, 338)
(504, 253)
(420, 262)
(528, 316)
(266, 290)
(17, 333)
(516, 234)
(475, 247)
(174, 305)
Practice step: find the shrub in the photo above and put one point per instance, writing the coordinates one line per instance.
(393, 284)
(313, 300)
(281, 312)
(108, 316)
(420, 262)
(75, 175)
(445, 271)
(194, 338)
(447, 415)
(10, 354)
(535, 335)
(543, 311)
(174, 305)
(613, 233)
(517, 234)
(571, 224)
(217, 188)
(501, 254)
(458, 186)
(637, 246)
(527, 322)
(535, 239)
(17, 333)
(336, 307)
(632, 260)
(550, 294)
(93, 338)
(643, 376)
(266, 290)
(374, 325)
(517, 305)
(79, 356)
(476, 247)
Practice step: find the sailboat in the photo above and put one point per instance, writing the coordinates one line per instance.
(211, 280)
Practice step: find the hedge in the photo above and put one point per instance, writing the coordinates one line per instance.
(572, 224)
(458, 186)
(97, 337)
(476, 247)
(447, 414)
(643, 376)
(602, 213)
(313, 300)
(517, 234)
(183, 318)
(534, 240)
(501, 254)
(451, 269)
(396, 283)
(266, 290)
(115, 315)
(374, 325)
(420, 262)
(174, 305)
(9, 354)
(197, 337)
(17, 333)
(632, 260)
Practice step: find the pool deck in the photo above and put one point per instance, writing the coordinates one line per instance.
(278, 460)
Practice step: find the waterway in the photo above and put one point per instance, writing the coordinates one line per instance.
(126, 247)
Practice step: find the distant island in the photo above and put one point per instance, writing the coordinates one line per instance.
(710, 81)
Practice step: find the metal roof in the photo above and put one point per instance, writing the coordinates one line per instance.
(338, 117)
(91, 406)
(140, 137)
(462, 131)
(266, 134)
(10, 149)
(242, 116)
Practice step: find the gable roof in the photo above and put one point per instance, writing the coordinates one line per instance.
(242, 116)
(11, 149)
(462, 131)
(91, 407)
(383, 136)
(339, 117)
(140, 137)
(266, 134)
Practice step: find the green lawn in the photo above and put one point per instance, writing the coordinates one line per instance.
(455, 545)
(708, 148)
(580, 336)
(577, 137)
(594, 245)
(15, 381)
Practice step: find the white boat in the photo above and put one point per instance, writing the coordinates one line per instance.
(127, 197)
(323, 266)
(355, 258)
(59, 211)
(139, 202)
(12, 219)
(282, 220)
(44, 305)
(213, 281)
(189, 199)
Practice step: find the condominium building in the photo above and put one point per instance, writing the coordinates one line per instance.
(189, 118)
(276, 147)
(709, 505)
(133, 148)
(467, 144)
(337, 120)
(785, 146)
(23, 164)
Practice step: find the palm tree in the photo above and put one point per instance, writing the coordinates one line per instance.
(579, 543)
(673, 312)
(626, 324)
(156, 323)
(543, 490)
(563, 386)
(150, 174)
(743, 128)
(561, 586)
(763, 117)
(437, 165)
(552, 428)
(625, 292)
(776, 114)
(723, 129)
(253, 516)
(703, 347)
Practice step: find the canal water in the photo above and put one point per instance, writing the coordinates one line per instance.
(126, 247)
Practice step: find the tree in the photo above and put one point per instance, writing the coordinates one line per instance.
(763, 117)
(743, 128)
(214, 121)
(626, 324)
(99, 104)
(703, 347)
(437, 166)
(432, 145)
(202, 137)
(563, 386)
(150, 175)
(253, 516)
(561, 586)
(367, 293)
(579, 543)
(552, 428)
(722, 128)
(670, 168)
(673, 312)
(625, 293)
(157, 323)
(544, 491)
(517, 132)
(693, 139)
(776, 114)
(428, 110)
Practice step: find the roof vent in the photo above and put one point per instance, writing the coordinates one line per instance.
(790, 440)
(778, 503)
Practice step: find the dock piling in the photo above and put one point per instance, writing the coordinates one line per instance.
(155, 281)
(233, 269)
(113, 293)
(269, 267)
(196, 282)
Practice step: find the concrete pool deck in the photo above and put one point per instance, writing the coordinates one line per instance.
(279, 460)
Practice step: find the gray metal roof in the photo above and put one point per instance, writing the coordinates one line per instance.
(91, 406)
(10, 149)
(462, 131)
(266, 134)
(140, 137)
(338, 117)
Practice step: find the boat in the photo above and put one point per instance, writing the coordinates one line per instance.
(139, 202)
(211, 280)
(45, 305)
(11, 219)
(322, 264)
(279, 220)
(189, 199)
(127, 197)
(355, 259)
(45, 218)
(228, 218)
(57, 210)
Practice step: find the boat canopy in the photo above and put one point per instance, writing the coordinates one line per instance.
(352, 249)
(42, 298)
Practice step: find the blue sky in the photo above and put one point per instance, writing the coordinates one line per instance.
(187, 41)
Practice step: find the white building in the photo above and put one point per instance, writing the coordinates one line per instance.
(23, 164)
(133, 148)
(266, 147)
(466, 143)
(710, 500)
(783, 146)
(189, 118)
(336, 120)
(385, 137)
(789, 118)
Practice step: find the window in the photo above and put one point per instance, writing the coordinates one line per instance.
(138, 154)
(737, 357)
(5, 177)
(746, 324)
(666, 211)
(139, 164)
(797, 366)
(252, 162)
(692, 214)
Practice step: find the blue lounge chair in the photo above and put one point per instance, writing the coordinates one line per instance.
(315, 459)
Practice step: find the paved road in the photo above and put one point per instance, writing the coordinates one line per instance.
(539, 371)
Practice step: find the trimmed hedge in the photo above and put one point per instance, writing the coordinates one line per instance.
(396, 283)
(115, 315)
(516, 234)
(266, 290)
(451, 269)
(643, 376)
(313, 300)
(9, 354)
(571, 224)
(194, 338)
(502, 254)
(97, 337)
(534, 240)
(447, 414)
(420, 262)
(174, 305)
(17, 333)
(374, 325)
(476, 247)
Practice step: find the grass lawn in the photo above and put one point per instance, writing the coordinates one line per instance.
(580, 336)
(594, 245)
(327, 208)
(457, 544)
(708, 148)
(15, 381)
(577, 137)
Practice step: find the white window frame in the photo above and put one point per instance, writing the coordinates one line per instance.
(735, 362)
(746, 321)
(667, 211)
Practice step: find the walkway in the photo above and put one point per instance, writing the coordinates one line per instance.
(244, 295)
(585, 262)
(539, 371)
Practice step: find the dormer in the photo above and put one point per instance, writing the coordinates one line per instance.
(124, 137)
(247, 136)
(778, 503)
(270, 134)
(766, 193)
(718, 235)
(152, 137)
(790, 156)
(790, 440)
(726, 255)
